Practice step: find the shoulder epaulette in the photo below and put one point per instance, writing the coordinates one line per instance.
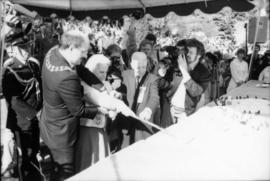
(8, 62)
(32, 59)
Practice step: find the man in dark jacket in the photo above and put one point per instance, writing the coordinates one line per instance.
(63, 105)
(255, 63)
(191, 90)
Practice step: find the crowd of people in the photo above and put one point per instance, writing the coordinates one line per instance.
(87, 100)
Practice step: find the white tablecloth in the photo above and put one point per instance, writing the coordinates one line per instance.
(252, 88)
(205, 146)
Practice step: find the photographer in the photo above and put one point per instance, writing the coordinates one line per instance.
(190, 91)
(113, 52)
(212, 64)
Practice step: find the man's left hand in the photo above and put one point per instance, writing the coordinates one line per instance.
(112, 115)
(116, 94)
(146, 114)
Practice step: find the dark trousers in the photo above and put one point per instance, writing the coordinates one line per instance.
(64, 164)
(28, 146)
(62, 172)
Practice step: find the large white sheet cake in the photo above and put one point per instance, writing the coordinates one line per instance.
(215, 143)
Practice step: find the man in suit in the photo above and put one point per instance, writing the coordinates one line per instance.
(255, 63)
(63, 105)
(142, 95)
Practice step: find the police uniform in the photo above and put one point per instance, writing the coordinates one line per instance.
(21, 89)
(62, 108)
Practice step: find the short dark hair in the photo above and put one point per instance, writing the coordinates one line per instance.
(151, 37)
(210, 55)
(114, 71)
(111, 49)
(196, 43)
(145, 42)
(181, 43)
(257, 45)
(240, 50)
(218, 54)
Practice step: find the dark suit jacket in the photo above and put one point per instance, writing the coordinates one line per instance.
(63, 105)
(200, 79)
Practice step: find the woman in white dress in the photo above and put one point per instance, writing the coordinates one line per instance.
(239, 70)
(93, 144)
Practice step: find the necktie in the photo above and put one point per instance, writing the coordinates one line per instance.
(137, 81)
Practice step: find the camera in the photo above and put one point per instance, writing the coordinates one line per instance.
(116, 61)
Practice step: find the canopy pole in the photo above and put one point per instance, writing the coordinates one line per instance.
(2, 26)
(143, 6)
(3, 38)
(246, 41)
(70, 7)
(258, 19)
(205, 2)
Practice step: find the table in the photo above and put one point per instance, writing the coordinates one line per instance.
(252, 90)
(205, 146)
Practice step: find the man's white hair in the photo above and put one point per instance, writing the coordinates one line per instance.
(75, 38)
(96, 60)
(139, 57)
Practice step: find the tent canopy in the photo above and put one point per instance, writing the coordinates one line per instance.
(79, 5)
(117, 8)
(82, 5)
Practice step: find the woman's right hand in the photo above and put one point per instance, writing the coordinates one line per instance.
(103, 110)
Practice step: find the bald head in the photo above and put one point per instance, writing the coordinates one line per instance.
(139, 63)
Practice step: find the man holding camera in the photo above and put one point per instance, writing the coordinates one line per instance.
(189, 92)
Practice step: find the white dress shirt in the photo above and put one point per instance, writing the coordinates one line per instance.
(178, 99)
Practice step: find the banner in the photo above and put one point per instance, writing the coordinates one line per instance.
(262, 29)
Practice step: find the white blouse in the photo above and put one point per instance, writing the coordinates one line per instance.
(239, 70)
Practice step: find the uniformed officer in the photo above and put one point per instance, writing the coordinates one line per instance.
(21, 88)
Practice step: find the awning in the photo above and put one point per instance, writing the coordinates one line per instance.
(115, 9)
